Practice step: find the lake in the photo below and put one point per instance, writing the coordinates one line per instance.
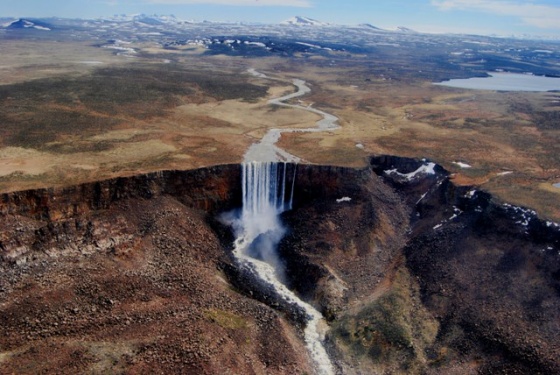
(506, 82)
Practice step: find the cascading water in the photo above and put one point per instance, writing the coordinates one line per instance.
(264, 199)
(259, 230)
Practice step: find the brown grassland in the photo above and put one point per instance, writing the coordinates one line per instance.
(73, 112)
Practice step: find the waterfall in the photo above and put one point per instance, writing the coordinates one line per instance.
(259, 231)
(264, 190)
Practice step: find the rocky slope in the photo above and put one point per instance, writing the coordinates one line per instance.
(123, 276)
(414, 275)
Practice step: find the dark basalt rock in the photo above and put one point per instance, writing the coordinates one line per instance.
(484, 275)
(487, 269)
(210, 189)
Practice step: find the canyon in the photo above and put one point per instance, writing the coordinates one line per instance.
(412, 273)
(130, 238)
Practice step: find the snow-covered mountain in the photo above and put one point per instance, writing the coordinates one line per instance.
(369, 26)
(26, 24)
(403, 29)
(303, 21)
(304, 29)
(152, 19)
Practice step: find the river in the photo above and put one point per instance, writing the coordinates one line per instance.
(266, 149)
(264, 199)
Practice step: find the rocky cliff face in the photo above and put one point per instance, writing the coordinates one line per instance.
(52, 220)
(487, 271)
(126, 275)
(414, 275)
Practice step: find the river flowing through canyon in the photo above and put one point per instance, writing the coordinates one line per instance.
(259, 229)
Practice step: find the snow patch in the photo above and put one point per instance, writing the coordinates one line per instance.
(456, 212)
(522, 216)
(118, 45)
(470, 194)
(254, 73)
(309, 45)
(422, 197)
(343, 199)
(423, 169)
(314, 46)
(552, 224)
(199, 42)
(258, 44)
(461, 164)
(302, 21)
(8, 24)
(403, 29)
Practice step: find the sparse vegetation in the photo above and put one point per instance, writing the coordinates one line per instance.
(393, 329)
(38, 112)
(380, 88)
(226, 319)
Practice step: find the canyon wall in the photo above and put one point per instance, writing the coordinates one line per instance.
(413, 273)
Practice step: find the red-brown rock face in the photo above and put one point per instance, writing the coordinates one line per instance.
(413, 274)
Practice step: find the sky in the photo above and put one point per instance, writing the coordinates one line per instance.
(502, 17)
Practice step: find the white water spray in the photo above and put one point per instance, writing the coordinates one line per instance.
(265, 197)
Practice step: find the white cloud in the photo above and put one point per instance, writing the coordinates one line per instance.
(287, 3)
(531, 13)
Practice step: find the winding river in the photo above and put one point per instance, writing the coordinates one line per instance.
(266, 149)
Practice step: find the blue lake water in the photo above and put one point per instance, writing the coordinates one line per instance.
(506, 82)
(557, 185)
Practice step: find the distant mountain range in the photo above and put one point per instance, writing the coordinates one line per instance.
(164, 23)
(305, 21)
(149, 19)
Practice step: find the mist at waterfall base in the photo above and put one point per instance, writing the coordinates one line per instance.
(267, 192)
